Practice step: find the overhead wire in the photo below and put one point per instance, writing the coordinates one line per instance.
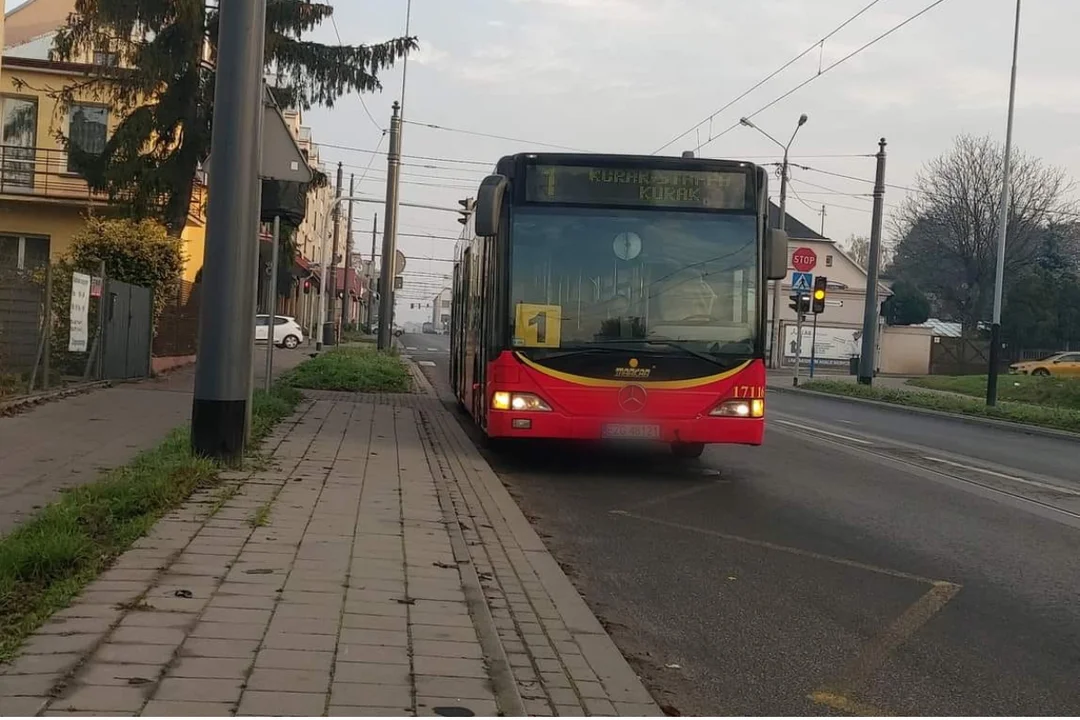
(769, 77)
(823, 71)
(492, 136)
(363, 104)
(353, 148)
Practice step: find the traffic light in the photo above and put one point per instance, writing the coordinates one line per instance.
(307, 287)
(820, 285)
(468, 204)
(800, 303)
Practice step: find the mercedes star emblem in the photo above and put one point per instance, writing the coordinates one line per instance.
(632, 398)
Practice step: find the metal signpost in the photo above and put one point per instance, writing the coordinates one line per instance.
(271, 306)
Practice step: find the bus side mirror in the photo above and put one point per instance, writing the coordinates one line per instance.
(776, 254)
(488, 209)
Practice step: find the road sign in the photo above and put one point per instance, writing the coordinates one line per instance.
(802, 281)
(399, 262)
(804, 259)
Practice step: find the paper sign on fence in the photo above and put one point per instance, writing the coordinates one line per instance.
(80, 312)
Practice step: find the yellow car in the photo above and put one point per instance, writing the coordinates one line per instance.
(1061, 365)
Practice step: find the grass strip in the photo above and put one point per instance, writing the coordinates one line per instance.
(352, 369)
(1050, 417)
(46, 561)
(1047, 391)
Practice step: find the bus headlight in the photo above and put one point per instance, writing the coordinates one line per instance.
(524, 402)
(754, 408)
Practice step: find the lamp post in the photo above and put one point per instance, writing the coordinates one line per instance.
(1003, 226)
(774, 333)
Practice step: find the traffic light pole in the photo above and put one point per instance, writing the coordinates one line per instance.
(813, 347)
(798, 344)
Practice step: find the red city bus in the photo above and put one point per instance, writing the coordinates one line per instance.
(616, 296)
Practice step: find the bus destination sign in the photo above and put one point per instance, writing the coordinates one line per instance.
(583, 185)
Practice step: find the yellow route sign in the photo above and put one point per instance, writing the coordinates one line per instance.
(538, 325)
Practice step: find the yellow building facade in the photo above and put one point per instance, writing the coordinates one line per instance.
(43, 203)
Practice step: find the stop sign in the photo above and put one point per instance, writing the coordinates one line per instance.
(804, 259)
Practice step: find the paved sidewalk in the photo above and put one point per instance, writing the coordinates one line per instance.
(68, 442)
(377, 567)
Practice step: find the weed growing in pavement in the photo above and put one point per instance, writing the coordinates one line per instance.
(46, 561)
(261, 517)
(1052, 417)
(352, 369)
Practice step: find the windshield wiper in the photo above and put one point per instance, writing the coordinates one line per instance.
(715, 360)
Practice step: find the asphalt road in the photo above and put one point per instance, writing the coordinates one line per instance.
(879, 562)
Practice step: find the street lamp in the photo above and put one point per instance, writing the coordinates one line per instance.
(1003, 226)
(774, 333)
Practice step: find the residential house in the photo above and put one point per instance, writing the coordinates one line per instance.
(43, 201)
(839, 328)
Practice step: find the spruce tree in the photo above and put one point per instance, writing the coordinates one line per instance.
(154, 67)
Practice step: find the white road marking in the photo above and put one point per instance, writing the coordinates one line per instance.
(410, 347)
(431, 349)
(800, 426)
(425, 363)
(1025, 481)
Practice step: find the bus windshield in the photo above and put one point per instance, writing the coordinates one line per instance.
(595, 276)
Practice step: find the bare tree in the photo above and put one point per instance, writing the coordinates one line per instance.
(858, 248)
(948, 228)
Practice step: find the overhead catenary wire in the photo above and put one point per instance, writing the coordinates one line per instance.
(333, 22)
(767, 78)
(353, 148)
(476, 133)
(823, 71)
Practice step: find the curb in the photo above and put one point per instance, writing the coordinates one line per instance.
(11, 406)
(1015, 427)
(503, 683)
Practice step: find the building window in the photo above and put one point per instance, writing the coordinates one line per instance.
(88, 129)
(446, 303)
(828, 261)
(23, 253)
(19, 138)
(103, 56)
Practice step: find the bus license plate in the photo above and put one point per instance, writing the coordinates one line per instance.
(631, 431)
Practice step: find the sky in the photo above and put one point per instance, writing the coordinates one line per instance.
(630, 75)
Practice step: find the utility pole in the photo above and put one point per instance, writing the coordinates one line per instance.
(345, 302)
(822, 221)
(223, 370)
(331, 266)
(870, 312)
(389, 244)
(371, 272)
(1003, 227)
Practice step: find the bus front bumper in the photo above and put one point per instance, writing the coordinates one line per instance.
(554, 425)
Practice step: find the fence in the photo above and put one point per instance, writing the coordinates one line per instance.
(178, 323)
(39, 346)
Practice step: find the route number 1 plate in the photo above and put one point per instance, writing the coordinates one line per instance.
(537, 325)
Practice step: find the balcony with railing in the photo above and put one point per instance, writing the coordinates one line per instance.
(35, 172)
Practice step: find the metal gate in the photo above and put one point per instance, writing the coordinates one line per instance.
(129, 331)
(959, 356)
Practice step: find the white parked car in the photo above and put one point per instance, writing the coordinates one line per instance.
(287, 332)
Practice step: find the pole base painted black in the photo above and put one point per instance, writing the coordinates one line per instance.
(217, 429)
(995, 362)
